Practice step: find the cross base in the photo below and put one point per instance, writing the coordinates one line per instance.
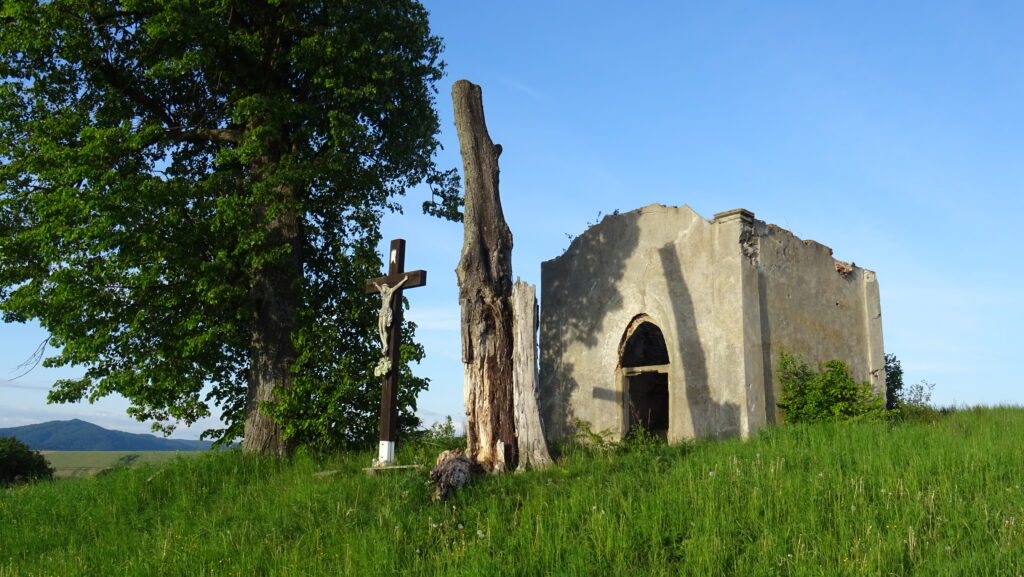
(385, 454)
(371, 471)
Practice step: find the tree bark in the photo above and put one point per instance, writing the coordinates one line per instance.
(453, 470)
(485, 290)
(533, 449)
(275, 302)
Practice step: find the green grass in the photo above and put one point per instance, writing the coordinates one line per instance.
(85, 463)
(942, 498)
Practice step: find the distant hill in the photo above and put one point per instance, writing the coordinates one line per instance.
(77, 435)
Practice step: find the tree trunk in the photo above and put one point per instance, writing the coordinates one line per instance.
(485, 290)
(275, 303)
(533, 449)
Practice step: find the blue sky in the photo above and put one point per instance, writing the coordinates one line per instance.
(891, 132)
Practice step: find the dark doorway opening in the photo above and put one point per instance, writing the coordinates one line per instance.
(648, 402)
(644, 366)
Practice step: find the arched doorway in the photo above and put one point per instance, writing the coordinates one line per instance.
(643, 376)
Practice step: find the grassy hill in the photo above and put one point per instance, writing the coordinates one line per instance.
(77, 435)
(942, 498)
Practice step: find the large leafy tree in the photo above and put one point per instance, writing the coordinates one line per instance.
(190, 194)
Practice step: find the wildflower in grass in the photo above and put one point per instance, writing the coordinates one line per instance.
(480, 534)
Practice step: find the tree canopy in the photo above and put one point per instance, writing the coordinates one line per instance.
(19, 463)
(190, 198)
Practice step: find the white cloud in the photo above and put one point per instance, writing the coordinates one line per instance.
(527, 90)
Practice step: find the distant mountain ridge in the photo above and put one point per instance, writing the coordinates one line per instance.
(78, 435)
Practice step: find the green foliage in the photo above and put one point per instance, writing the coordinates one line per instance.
(914, 403)
(944, 500)
(911, 403)
(425, 445)
(829, 396)
(893, 381)
(169, 170)
(444, 433)
(640, 440)
(585, 441)
(334, 401)
(19, 463)
(918, 395)
(583, 436)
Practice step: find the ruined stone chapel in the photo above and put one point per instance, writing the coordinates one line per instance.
(662, 318)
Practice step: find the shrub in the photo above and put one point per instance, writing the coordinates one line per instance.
(640, 440)
(19, 463)
(893, 381)
(914, 403)
(919, 395)
(911, 403)
(424, 445)
(831, 395)
(583, 436)
(585, 441)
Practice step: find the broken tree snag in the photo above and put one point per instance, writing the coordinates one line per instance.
(533, 450)
(453, 470)
(485, 291)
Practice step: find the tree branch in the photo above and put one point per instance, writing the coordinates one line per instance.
(116, 78)
(220, 135)
(33, 360)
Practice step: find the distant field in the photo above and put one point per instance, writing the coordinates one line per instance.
(86, 463)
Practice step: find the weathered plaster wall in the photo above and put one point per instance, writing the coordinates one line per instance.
(815, 306)
(728, 296)
(672, 265)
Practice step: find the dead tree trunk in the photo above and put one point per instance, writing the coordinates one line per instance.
(485, 291)
(533, 449)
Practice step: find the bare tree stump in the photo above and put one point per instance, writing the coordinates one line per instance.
(485, 290)
(533, 449)
(452, 471)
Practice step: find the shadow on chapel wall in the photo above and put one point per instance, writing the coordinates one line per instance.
(709, 417)
(579, 290)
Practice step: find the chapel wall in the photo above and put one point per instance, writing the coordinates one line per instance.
(680, 270)
(816, 307)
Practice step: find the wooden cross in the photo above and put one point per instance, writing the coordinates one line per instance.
(389, 327)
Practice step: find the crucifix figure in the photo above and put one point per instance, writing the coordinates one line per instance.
(389, 327)
(385, 318)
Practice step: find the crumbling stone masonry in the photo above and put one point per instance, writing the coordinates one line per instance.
(661, 317)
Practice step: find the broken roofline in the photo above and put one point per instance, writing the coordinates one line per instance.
(741, 214)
